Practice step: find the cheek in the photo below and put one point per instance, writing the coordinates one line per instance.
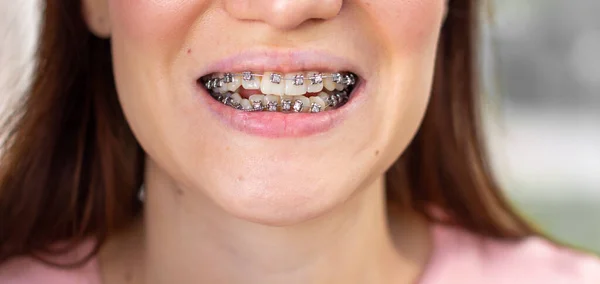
(406, 25)
(154, 23)
(408, 31)
(147, 36)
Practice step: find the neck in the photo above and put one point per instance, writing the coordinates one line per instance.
(191, 240)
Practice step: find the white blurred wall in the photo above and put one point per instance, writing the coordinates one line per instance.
(18, 26)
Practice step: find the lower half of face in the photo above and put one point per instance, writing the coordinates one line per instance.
(276, 113)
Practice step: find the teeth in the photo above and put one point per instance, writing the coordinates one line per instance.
(286, 103)
(236, 99)
(349, 80)
(257, 102)
(247, 76)
(337, 77)
(316, 104)
(325, 98)
(227, 78)
(246, 105)
(275, 78)
(332, 101)
(209, 84)
(342, 97)
(298, 80)
(250, 82)
(271, 102)
(226, 99)
(220, 85)
(315, 77)
(234, 84)
(315, 83)
(284, 93)
(294, 84)
(272, 84)
(335, 82)
(329, 84)
(301, 104)
(217, 96)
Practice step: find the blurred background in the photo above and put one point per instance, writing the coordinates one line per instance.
(541, 73)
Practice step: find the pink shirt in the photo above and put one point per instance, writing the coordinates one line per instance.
(458, 258)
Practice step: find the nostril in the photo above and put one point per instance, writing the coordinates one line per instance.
(286, 22)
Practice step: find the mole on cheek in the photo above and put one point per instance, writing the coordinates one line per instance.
(377, 153)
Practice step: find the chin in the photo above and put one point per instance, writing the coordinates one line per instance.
(279, 205)
(273, 194)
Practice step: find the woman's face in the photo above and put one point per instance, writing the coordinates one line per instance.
(275, 167)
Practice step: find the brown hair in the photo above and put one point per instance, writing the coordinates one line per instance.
(71, 166)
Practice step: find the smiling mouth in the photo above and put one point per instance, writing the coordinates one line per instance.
(300, 92)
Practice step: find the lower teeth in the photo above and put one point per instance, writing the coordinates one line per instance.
(289, 104)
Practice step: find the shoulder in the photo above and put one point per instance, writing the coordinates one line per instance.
(462, 255)
(25, 270)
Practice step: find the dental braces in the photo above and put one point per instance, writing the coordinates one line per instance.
(348, 79)
(288, 104)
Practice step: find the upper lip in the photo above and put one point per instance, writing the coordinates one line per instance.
(283, 61)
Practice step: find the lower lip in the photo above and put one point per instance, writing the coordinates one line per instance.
(280, 125)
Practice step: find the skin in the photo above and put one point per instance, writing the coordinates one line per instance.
(224, 206)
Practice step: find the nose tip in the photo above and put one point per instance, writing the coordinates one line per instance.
(284, 14)
(288, 14)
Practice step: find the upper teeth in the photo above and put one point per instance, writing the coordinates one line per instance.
(316, 82)
(337, 77)
(316, 78)
(271, 83)
(247, 76)
(299, 80)
(293, 86)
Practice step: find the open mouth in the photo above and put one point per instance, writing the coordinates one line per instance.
(300, 92)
